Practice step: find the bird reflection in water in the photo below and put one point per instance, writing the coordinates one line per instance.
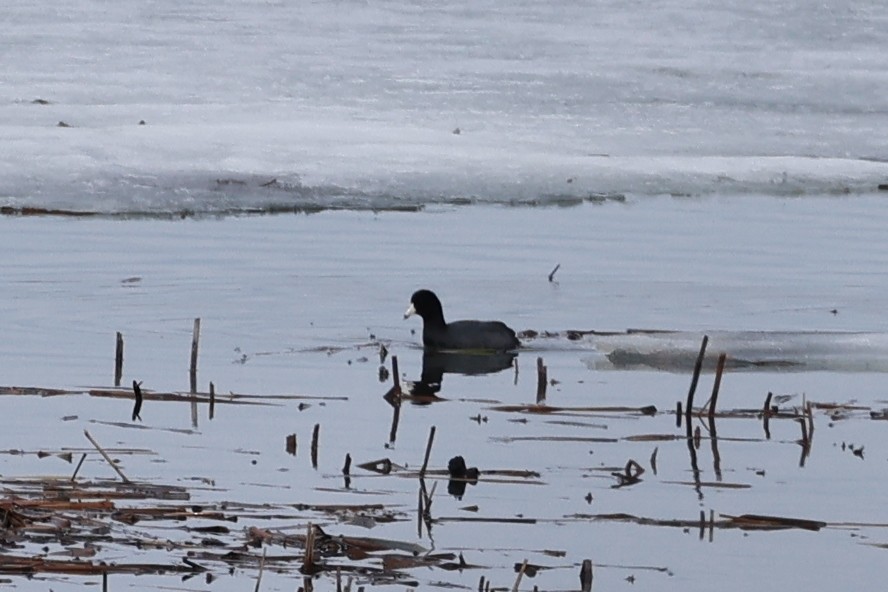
(436, 363)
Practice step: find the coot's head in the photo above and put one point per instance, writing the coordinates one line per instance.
(425, 304)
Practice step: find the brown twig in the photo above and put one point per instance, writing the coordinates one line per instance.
(698, 366)
(308, 562)
(805, 442)
(261, 569)
(520, 575)
(719, 368)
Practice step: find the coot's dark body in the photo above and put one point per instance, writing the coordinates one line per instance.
(459, 335)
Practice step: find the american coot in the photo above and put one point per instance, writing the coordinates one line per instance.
(437, 334)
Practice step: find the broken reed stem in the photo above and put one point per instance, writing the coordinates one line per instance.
(520, 575)
(261, 569)
(805, 441)
(118, 360)
(195, 338)
(428, 452)
(395, 376)
(106, 457)
(80, 464)
(698, 366)
(719, 368)
(419, 509)
(308, 564)
(810, 413)
(193, 404)
(586, 576)
(552, 275)
(542, 380)
(314, 445)
(212, 400)
(766, 416)
(394, 399)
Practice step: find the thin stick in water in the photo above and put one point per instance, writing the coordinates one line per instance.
(520, 575)
(542, 381)
(766, 415)
(719, 368)
(314, 445)
(195, 338)
(212, 400)
(308, 564)
(586, 576)
(137, 407)
(393, 397)
(261, 569)
(80, 464)
(698, 366)
(118, 360)
(552, 274)
(428, 452)
(106, 457)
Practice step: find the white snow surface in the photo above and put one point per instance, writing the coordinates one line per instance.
(263, 105)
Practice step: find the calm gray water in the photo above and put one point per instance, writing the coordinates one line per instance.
(296, 305)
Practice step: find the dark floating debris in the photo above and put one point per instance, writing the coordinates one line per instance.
(118, 360)
(137, 406)
(460, 476)
(630, 476)
(586, 576)
(552, 273)
(382, 466)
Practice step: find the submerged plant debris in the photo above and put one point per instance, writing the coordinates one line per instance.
(62, 520)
